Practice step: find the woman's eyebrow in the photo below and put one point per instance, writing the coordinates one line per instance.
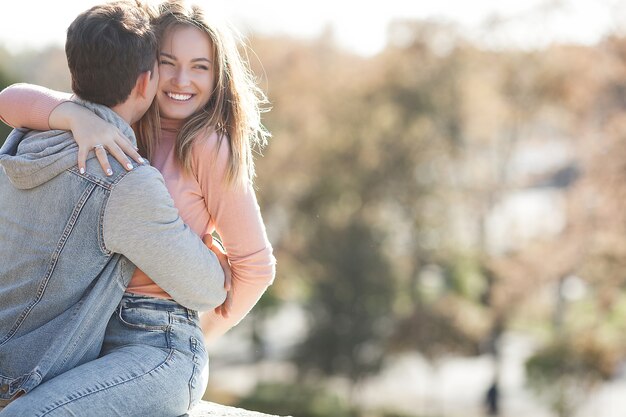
(201, 59)
(193, 60)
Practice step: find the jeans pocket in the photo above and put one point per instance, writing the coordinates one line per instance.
(143, 319)
(200, 372)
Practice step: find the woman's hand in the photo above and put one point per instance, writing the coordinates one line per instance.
(218, 250)
(92, 133)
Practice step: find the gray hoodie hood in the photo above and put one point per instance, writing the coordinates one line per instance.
(32, 157)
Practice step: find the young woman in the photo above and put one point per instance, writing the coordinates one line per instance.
(202, 143)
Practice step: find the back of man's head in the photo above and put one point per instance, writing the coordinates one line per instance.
(107, 48)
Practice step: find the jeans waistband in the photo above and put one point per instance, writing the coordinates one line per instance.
(160, 304)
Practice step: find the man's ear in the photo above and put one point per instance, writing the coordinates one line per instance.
(143, 81)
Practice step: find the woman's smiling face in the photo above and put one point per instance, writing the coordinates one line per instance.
(186, 72)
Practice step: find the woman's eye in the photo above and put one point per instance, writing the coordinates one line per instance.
(163, 62)
(202, 67)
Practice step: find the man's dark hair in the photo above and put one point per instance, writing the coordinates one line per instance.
(107, 48)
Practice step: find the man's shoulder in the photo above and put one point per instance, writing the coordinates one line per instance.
(140, 179)
(140, 188)
(138, 198)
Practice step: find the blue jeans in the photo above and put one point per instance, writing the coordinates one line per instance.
(153, 363)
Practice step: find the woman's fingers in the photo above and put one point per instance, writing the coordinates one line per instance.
(228, 304)
(119, 150)
(222, 257)
(228, 275)
(121, 157)
(82, 158)
(228, 272)
(101, 154)
(224, 308)
(129, 149)
(93, 133)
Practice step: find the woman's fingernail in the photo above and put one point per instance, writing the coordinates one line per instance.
(82, 170)
(129, 166)
(109, 171)
(143, 161)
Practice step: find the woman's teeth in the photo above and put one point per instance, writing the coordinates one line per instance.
(179, 97)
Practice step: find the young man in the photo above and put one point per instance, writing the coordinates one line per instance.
(70, 240)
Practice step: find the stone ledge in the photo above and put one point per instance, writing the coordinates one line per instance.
(207, 409)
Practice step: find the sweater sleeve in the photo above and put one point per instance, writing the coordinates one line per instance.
(28, 105)
(141, 222)
(238, 221)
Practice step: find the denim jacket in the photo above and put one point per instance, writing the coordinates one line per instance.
(69, 243)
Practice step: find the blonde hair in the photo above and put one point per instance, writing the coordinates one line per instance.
(234, 108)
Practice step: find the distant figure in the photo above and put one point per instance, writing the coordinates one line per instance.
(491, 400)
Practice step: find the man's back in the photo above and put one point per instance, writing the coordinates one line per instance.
(56, 273)
(62, 236)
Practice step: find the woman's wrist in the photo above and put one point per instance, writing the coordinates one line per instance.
(65, 115)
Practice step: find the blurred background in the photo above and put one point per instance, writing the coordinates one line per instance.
(445, 192)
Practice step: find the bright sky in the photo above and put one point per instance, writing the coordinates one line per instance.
(357, 25)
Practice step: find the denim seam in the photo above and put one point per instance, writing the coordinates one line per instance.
(55, 257)
(108, 186)
(194, 349)
(167, 359)
(103, 247)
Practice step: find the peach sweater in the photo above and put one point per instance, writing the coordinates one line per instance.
(204, 201)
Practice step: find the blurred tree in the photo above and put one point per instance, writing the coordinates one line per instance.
(394, 166)
(349, 183)
(361, 197)
(584, 344)
(564, 373)
(350, 303)
(297, 400)
(589, 320)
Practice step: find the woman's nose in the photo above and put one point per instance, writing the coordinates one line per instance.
(181, 78)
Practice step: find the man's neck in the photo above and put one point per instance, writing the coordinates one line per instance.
(125, 111)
